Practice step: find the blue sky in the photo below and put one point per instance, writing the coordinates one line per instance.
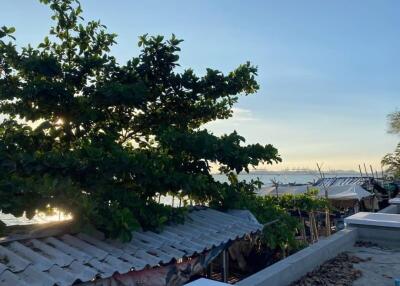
(329, 70)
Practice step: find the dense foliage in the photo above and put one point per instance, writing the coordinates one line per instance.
(392, 160)
(281, 234)
(102, 139)
(394, 122)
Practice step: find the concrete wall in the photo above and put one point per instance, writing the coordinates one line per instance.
(392, 209)
(384, 236)
(297, 265)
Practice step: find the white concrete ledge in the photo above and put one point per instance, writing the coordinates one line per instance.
(206, 282)
(374, 219)
(394, 201)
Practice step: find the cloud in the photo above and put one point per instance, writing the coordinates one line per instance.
(241, 119)
(241, 114)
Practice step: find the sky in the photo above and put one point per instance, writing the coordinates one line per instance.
(329, 71)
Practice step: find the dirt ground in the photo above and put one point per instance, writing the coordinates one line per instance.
(380, 266)
(364, 264)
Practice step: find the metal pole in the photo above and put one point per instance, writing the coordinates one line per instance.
(225, 266)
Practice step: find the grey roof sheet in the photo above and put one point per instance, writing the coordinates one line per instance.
(65, 259)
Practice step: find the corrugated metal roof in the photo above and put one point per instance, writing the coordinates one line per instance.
(66, 259)
(343, 181)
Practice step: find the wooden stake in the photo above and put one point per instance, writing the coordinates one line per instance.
(327, 215)
(302, 227)
(311, 228)
(359, 167)
(275, 184)
(372, 172)
(315, 227)
(365, 169)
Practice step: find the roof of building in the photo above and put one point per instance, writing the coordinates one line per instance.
(283, 189)
(335, 191)
(342, 181)
(68, 258)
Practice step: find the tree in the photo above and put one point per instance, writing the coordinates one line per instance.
(102, 139)
(392, 160)
(280, 227)
(394, 122)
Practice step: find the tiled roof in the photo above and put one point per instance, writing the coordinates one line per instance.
(342, 181)
(70, 258)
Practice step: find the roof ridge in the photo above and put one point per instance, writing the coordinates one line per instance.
(31, 231)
